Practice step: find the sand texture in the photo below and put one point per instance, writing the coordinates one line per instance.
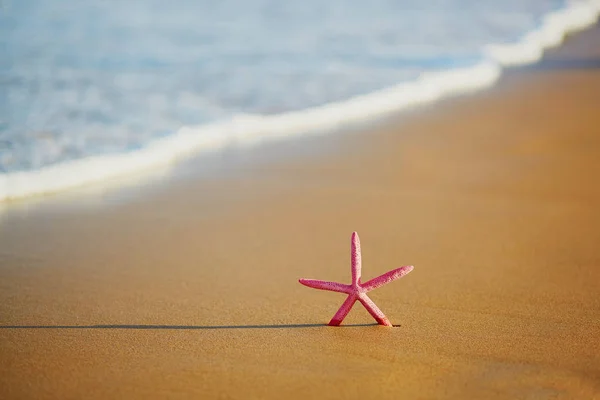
(187, 287)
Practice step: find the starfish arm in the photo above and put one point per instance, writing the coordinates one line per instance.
(386, 278)
(356, 259)
(343, 311)
(324, 285)
(374, 310)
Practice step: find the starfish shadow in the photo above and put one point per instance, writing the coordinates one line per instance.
(177, 327)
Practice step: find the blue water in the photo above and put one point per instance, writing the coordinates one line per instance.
(95, 77)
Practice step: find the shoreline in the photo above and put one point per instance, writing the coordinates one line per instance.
(360, 112)
(491, 196)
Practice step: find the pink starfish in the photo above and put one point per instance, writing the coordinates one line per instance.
(357, 290)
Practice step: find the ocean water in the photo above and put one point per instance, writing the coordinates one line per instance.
(92, 89)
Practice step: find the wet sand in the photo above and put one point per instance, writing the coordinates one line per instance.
(187, 287)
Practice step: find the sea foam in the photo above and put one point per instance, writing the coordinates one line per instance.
(247, 129)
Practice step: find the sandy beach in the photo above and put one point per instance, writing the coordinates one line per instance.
(187, 286)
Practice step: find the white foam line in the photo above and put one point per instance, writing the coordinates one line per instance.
(249, 129)
(554, 27)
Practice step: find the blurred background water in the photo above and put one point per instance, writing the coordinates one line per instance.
(91, 77)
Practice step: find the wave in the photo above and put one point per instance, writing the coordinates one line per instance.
(246, 129)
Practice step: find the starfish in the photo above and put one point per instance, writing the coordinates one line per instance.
(357, 290)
